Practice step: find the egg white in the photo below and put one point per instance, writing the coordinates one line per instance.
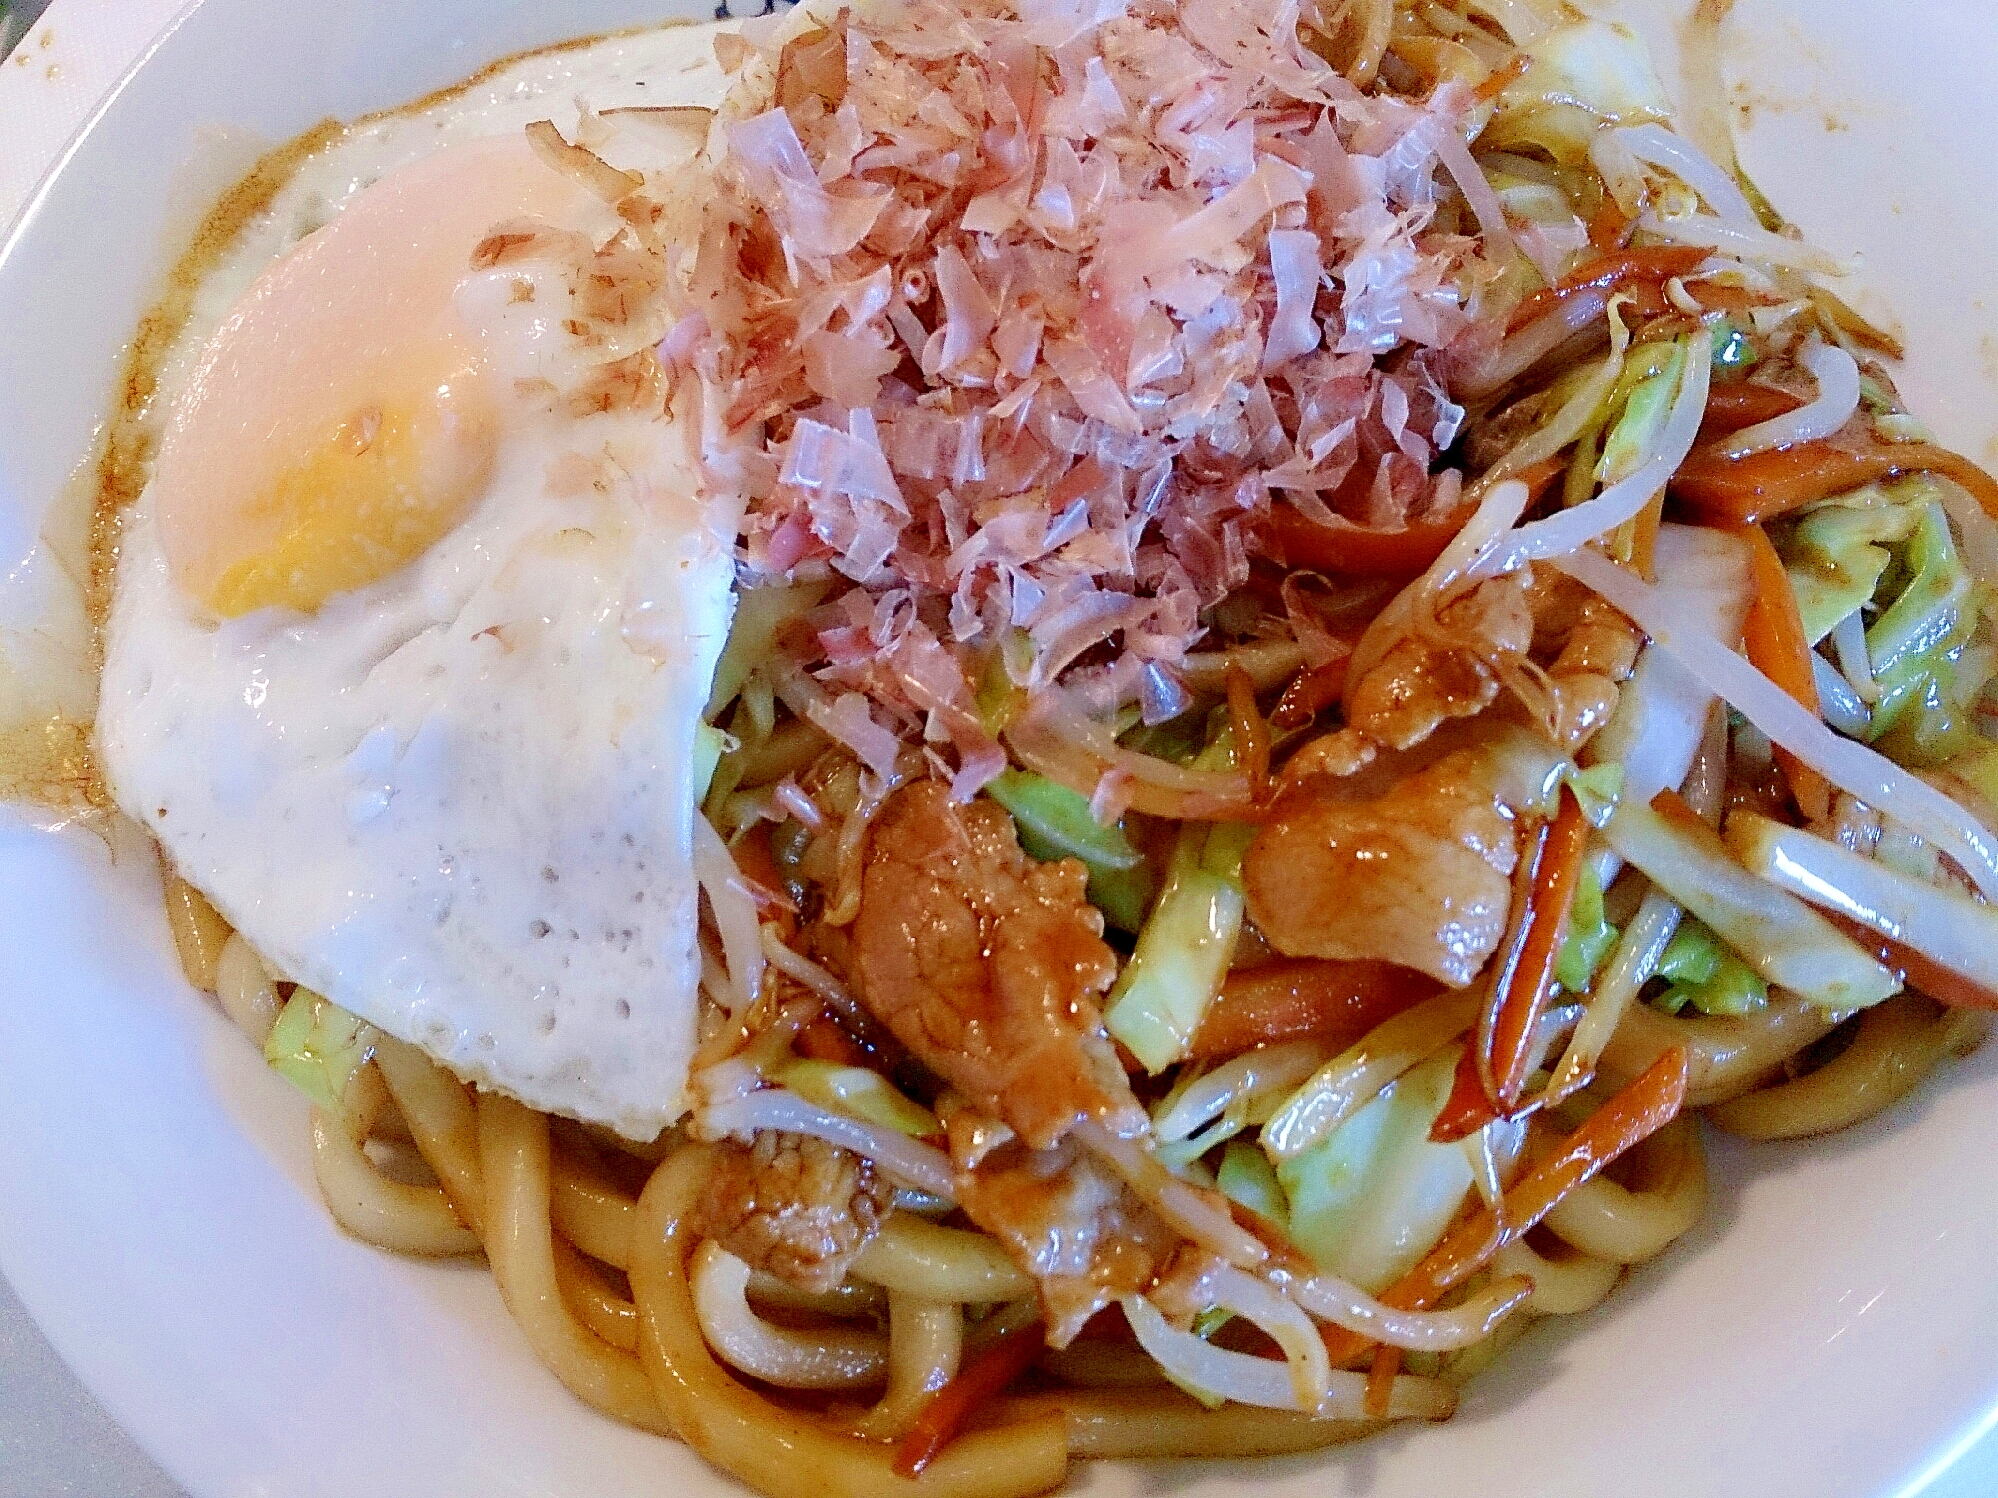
(459, 801)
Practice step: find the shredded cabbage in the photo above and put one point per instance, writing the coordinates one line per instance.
(1180, 960)
(1376, 1194)
(318, 1047)
(860, 1092)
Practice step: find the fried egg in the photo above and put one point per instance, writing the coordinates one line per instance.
(413, 625)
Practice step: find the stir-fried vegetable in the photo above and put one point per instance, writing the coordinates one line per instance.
(1784, 940)
(1836, 555)
(1056, 822)
(1917, 651)
(1524, 980)
(318, 1047)
(1589, 939)
(1704, 973)
(1950, 929)
(946, 1410)
(859, 1091)
(1744, 491)
(1626, 1120)
(1370, 1200)
(1779, 649)
(1181, 957)
(1246, 1176)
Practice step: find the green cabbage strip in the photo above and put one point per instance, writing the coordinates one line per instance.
(318, 1047)
(1182, 953)
(1055, 822)
(1645, 411)
(1372, 1197)
(1929, 683)
(1707, 975)
(1246, 1176)
(1837, 554)
(1589, 939)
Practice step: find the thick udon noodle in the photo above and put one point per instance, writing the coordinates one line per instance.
(588, 1239)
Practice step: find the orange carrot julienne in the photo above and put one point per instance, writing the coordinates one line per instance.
(944, 1413)
(1380, 1381)
(1948, 988)
(1523, 985)
(1778, 649)
(1744, 491)
(1640, 1110)
(1468, 1108)
(1735, 404)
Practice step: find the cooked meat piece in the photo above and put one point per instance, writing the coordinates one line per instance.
(1417, 876)
(1420, 684)
(796, 1206)
(1072, 1225)
(986, 965)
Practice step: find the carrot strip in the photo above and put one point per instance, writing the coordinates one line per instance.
(1746, 491)
(1303, 997)
(1917, 971)
(1502, 78)
(1252, 734)
(1362, 551)
(1618, 270)
(1356, 550)
(1643, 1108)
(1734, 405)
(945, 1411)
(1523, 986)
(1777, 648)
(1310, 692)
(1380, 1381)
(1468, 1108)
(1610, 226)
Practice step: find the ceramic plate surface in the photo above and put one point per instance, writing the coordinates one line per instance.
(1830, 1329)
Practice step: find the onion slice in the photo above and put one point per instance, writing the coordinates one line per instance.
(1285, 1323)
(1353, 1078)
(1837, 374)
(1870, 776)
(1244, 1379)
(1789, 944)
(1233, 1084)
(1757, 245)
(735, 912)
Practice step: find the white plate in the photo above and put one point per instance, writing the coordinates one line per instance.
(1830, 1329)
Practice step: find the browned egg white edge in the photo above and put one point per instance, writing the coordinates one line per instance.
(50, 761)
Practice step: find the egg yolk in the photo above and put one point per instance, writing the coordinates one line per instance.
(343, 417)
